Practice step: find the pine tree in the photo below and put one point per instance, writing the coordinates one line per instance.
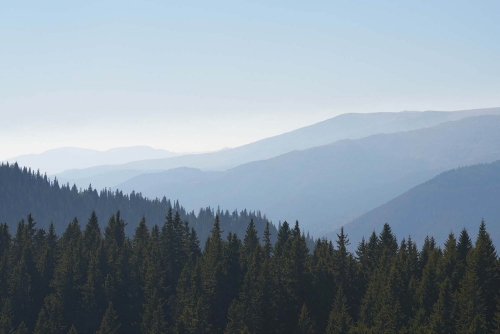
(471, 302)
(496, 320)
(232, 271)
(265, 283)
(388, 241)
(93, 296)
(91, 236)
(487, 271)
(139, 265)
(340, 320)
(22, 283)
(5, 239)
(154, 289)
(73, 330)
(345, 270)
(22, 329)
(429, 288)
(213, 277)
(118, 251)
(50, 317)
(109, 323)
(6, 325)
(192, 314)
(304, 324)
(245, 312)
(47, 261)
(267, 247)
(448, 264)
(324, 285)
(442, 319)
(463, 248)
(69, 274)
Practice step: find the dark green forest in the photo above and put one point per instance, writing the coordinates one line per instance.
(160, 281)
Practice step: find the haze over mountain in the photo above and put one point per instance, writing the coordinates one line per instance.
(449, 202)
(346, 126)
(330, 185)
(64, 158)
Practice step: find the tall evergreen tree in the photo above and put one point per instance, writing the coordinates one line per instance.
(212, 268)
(50, 317)
(153, 315)
(442, 319)
(109, 323)
(340, 320)
(304, 324)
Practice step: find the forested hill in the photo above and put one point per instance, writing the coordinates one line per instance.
(449, 202)
(159, 281)
(23, 191)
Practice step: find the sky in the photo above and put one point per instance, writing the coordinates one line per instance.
(203, 75)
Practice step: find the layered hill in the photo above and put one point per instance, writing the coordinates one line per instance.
(346, 126)
(449, 202)
(61, 159)
(23, 192)
(328, 186)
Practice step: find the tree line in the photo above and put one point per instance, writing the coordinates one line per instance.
(161, 281)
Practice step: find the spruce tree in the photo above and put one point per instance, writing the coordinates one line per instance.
(50, 317)
(22, 329)
(72, 330)
(69, 274)
(91, 236)
(22, 283)
(304, 324)
(109, 323)
(324, 285)
(448, 264)
(192, 313)
(463, 248)
(246, 310)
(212, 268)
(470, 300)
(93, 295)
(154, 288)
(139, 264)
(442, 319)
(6, 325)
(339, 321)
(487, 271)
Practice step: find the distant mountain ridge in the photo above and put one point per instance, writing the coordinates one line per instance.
(346, 126)
(453, 200)
(327, 186)
(66, 158)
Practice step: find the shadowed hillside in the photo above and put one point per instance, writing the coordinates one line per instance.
(449, 202)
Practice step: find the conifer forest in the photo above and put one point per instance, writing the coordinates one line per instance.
(160, 281)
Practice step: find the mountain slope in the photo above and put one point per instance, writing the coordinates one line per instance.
(61, 159)
(346, 126)
(449, 202)
(330, 185)
(23, 192)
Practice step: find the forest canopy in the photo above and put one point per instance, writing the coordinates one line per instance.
(160, 281)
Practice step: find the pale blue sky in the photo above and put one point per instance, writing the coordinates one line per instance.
(201, 75)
